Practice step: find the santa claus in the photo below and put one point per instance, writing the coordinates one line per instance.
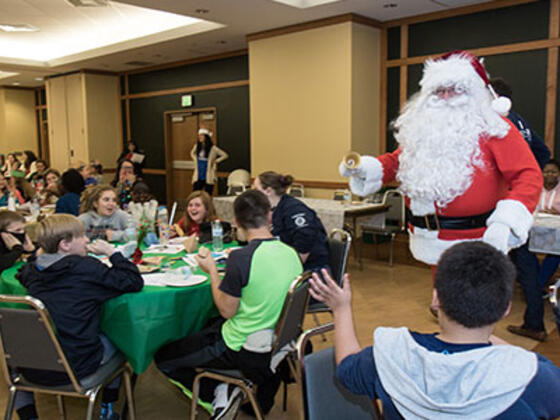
(465, 170)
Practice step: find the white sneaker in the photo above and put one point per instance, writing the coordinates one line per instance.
(227, 400)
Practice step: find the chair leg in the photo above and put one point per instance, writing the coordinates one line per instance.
(91, 403)
(195, 391)
(10, 406)
(61, 408)
(391, 250)
(256, 407)
(285, 399)
(316, 319)
(129, 395)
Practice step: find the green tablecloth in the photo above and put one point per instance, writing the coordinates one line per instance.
(140, 323)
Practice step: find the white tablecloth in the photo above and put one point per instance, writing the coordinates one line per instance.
(332, 213)
(545, 234)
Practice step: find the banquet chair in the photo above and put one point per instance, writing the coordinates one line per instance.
(287, 330)
(341, 195)
(238, 181)
(296, 190)
(392, 222)
(339, 249)
(323, 397)
(28, 342)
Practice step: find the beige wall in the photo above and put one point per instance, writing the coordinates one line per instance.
(305, 89)
(18, 127)
(103, 118)
(85, 117)
(366, 53)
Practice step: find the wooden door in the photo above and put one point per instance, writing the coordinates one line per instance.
(181, 135)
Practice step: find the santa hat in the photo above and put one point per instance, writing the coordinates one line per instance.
(451, 66)
(204, 131)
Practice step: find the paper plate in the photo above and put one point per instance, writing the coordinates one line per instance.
(177, 281)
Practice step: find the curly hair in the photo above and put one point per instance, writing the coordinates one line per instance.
(90, 196)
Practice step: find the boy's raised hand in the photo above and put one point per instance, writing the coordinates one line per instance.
(329, 292)
(101, 247)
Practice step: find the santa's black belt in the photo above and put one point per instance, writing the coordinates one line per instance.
(435, 222)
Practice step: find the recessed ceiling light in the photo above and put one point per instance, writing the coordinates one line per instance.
(15, 83)
(39, 79)
(17, 27)
(202, 11)
(304, 4)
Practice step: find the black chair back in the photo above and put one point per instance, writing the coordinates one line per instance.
(23, 332)
(290, 323)
(323, 395)
(338, 252)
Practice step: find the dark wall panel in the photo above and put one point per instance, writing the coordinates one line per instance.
(393, 99)
(413, 76)
(526, 73)
(394, 43)
(225, 70)
(157, 186)
(522, 23)
(232, 108)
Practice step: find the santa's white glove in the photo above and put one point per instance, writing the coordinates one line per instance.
(497, 235)
(367, 178)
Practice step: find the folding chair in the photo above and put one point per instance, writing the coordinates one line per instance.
(28, 341)
(238, 181)
(338, 257)
(296, 190)
(288, 329)
(323, 397)
(393, 222)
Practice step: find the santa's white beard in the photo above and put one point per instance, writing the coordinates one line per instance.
(440, 142)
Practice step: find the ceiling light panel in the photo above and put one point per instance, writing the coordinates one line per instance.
(65, 30)
(304, 4)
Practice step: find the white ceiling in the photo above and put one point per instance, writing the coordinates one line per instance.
(223, 28)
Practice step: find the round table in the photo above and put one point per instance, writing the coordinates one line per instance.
(140, 323)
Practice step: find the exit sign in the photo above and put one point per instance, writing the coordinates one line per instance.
(186, 100)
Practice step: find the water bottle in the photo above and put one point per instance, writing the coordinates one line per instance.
(11, 202)
(217, 236)
(130, 231)
(35, 208)
(163, 225)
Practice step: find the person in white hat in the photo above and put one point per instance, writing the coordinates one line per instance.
(206, 156)
(466, 171)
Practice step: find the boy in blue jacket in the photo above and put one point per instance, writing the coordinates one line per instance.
(461, 372)
(74, 287)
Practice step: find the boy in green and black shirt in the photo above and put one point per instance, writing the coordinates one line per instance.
(250, 298)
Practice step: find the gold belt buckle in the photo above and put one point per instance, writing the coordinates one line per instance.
(427, 221)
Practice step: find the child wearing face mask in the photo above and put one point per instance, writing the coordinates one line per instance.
(14, 242)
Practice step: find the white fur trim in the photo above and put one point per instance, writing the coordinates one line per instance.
(501, 105)
(343, 170)
(497, 235)
(456, 70)
(514, 214)
(427, 247)
(367, 178)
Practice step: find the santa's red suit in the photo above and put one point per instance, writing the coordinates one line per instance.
(500, 192)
